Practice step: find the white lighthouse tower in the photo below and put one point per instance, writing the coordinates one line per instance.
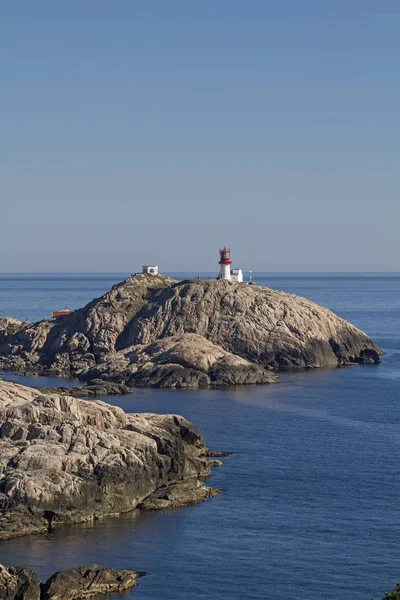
(225, 262)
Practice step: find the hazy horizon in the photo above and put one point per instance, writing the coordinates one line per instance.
(160, 132)
(206, 273)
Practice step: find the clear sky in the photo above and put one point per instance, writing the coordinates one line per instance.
(160, 130)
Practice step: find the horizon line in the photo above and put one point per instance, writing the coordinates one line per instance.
(196, 272)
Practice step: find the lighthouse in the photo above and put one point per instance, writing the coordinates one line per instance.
(225, 262)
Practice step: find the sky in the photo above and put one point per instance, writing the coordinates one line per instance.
(159, 131)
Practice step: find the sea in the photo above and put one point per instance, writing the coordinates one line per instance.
(310, 502)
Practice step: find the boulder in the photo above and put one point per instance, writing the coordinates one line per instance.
(17, 583)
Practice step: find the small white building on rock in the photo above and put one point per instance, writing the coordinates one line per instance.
(237, 275)
(150, 269)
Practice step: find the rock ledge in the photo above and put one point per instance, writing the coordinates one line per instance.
(64, 460)
(17, 583)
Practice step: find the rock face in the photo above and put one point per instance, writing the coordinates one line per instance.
(9, 324)
(183, 361)
(64, 460)
(171, 496)
(12, 394)
(152, 331)
(87, 581)
(97, 387)
(17, 583)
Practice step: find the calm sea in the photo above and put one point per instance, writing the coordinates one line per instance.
(310, 507)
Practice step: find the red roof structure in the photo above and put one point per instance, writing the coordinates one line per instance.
(225, 256)
(61, 313)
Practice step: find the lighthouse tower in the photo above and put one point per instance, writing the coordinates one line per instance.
(225, 262)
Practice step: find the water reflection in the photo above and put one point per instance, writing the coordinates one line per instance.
(39, 380)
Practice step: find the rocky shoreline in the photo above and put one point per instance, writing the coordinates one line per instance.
(18, 583)
(95, 388)
(65, 460)
(152, 331)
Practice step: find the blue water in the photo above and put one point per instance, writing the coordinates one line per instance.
(310, 507)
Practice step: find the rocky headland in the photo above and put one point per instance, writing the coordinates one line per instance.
(150, 330)
(65, 460)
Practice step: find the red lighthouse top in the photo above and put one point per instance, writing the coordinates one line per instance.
(225, 256)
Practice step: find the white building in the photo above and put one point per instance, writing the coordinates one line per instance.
(237, 275)
(150, 269)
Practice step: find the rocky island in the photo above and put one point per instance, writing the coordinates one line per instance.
(64, 460)
(150, 330)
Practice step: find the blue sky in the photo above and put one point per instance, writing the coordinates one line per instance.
(161, 130)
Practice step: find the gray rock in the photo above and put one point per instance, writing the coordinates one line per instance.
(180, 361)
(10, 325)
(87, 581)
(17, 583)
(153, 331)
(96, 387)
(64, 460)
(270, 328)
(170, 496)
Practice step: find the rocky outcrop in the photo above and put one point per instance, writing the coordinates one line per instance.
(152, 331)
(87, 581)
(96, 387)
(171, 496)
(17, 583)
(183, 361)
(270, 328)
(13, 394)
(10, 325)
(64, 460)
(70, 345)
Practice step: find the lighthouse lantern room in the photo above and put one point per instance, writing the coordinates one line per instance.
(225, 263)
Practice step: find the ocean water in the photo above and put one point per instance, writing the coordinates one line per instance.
(310, 507)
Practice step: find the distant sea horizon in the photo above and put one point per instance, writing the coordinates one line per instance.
(207, 273)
